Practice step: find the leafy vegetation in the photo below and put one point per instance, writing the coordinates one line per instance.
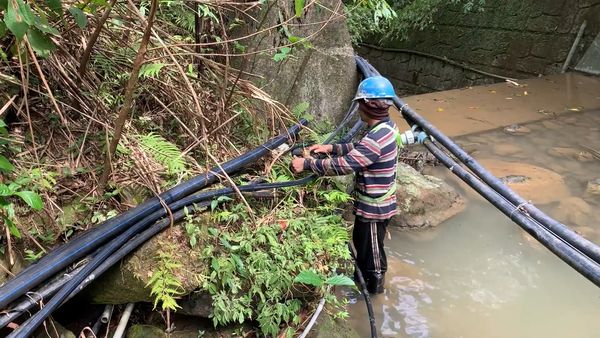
(262, 268)
(184, 102)
(16, 188)
(164, 285)
(395, 19)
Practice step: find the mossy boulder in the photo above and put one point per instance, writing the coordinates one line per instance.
(127, 282)
(423, 201)
(188, 330)
(145, 331)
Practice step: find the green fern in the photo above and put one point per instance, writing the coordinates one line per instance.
(163, 151)
(151, 70)
(164, 284)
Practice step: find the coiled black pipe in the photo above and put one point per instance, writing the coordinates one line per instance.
(570, 255)
(587, 247)
(87, 242)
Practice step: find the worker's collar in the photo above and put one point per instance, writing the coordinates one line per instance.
(378, 122)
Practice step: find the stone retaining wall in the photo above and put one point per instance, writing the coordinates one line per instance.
(514, 38)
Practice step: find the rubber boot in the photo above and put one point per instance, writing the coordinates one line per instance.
(376, 283)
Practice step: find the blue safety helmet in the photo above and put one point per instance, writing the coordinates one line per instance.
(375, 87)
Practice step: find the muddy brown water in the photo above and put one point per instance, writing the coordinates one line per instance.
(478, 275)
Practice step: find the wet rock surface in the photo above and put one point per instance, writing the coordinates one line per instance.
(517, 129)
(506, 149)
(576, 154)
(593, 188)
(573, 210)
(514, 179)
(329, 327)
(423, 201)
(533, 183)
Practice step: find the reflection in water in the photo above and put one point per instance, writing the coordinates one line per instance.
(407, 294)
(479, 275)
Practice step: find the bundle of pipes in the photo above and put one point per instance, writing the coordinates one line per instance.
(69, 284)
(578, 252)
(128, 223)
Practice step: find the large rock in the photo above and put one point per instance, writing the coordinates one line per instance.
(126, 282)
(323, 75)
(145, 331)
(424, 201)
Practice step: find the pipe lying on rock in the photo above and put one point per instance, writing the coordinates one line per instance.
(82, 245)
(72, 286)
(51, 288)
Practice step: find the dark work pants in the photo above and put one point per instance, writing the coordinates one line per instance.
(368, 236)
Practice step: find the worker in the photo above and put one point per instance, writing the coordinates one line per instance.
(374, 159)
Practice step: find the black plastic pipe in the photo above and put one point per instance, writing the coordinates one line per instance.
(33, 299)
(587, 247)
(577, 260)
(82, 245)
(365, 292)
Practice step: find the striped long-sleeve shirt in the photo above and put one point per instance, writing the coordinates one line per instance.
(374, 160)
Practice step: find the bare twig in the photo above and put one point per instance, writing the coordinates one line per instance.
(50, 95)
(128, 97)
(25, 86)
(85, 57)
(6, 105)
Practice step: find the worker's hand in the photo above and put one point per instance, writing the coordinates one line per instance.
(421, 136)
(321, 148)
(297, 165)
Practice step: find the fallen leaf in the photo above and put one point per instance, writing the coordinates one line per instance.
(283, 224)
(492, 91)
(440, 109)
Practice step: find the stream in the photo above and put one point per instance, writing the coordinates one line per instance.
(478, 275)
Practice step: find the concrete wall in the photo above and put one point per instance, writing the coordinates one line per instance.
(515, 38)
